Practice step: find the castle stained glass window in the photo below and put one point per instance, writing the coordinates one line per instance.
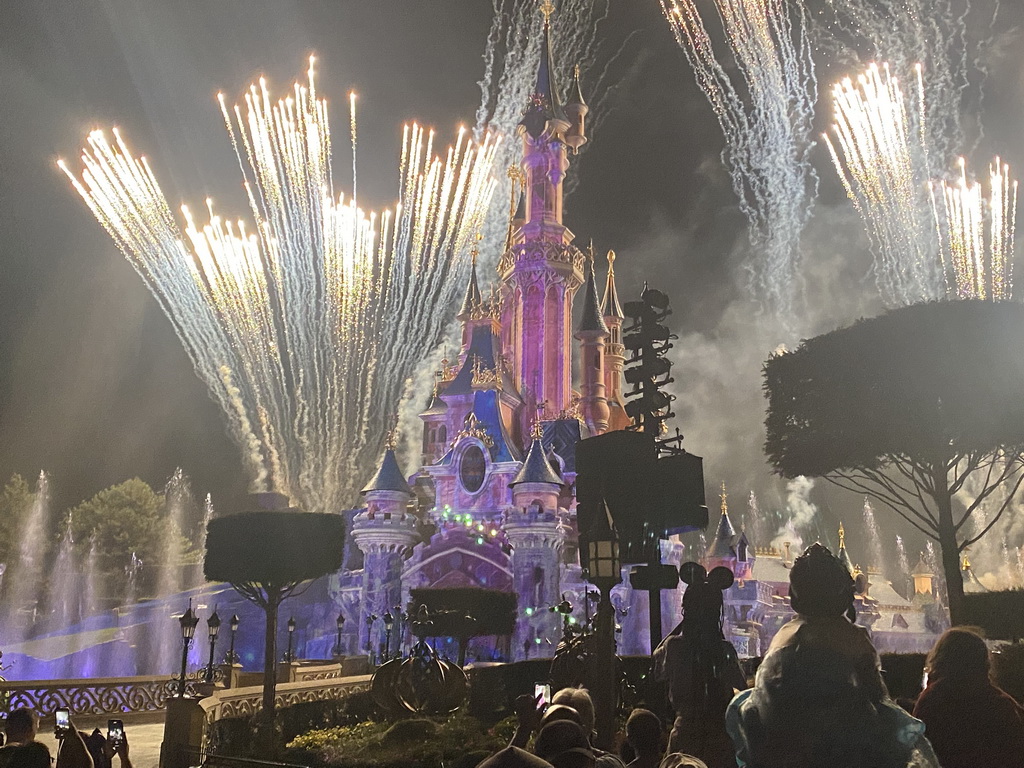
(472, 469)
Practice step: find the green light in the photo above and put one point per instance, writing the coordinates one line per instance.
(537, 640)
(572, 619)
(479, 540)
(529, 611)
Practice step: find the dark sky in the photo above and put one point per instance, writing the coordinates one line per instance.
(95, 388)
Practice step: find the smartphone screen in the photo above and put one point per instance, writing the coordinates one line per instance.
(62, 718)
(542, 694)
(115, 731)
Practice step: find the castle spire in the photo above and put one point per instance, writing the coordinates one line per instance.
(843, 555)
(722, 546)
(545, 103)
(389, 476)
(610, 306)
(536, 468)
(724, 497)
(591, 321)
(473, 297)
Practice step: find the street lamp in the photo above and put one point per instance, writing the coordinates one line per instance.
(600, 545)
(212, 629)
(187, 622)
(341, 625)
(232, 657)
(389, 622)
(289, 656)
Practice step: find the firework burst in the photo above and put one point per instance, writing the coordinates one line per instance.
(306, 326)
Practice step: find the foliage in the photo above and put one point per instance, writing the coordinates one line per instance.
(375, 745)
(915, 408)
(939, 377)
(124, 519)
(15, 503)
(1000, 614)
(276, 548)
(492, 611)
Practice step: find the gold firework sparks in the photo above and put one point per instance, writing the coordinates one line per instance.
(305, 326)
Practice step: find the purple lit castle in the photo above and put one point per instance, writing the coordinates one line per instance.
(492, 504)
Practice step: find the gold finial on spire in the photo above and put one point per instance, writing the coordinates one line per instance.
(547, 8)
(537, 430)
(590, 250)
(842, 536)
(391, 441)
(967, 564)
(576, 71)
(723, 496)
(475, 250)
(611, 260)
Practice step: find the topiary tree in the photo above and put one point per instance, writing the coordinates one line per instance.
(915, 408)
(269, 556)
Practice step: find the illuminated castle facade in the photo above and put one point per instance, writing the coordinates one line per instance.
(492, 504)
(757, 604)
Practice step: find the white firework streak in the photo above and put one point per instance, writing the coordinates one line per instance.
(306, 328)
(768, 131)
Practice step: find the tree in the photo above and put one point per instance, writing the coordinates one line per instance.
(267, 557)
(126, 519)
(917, 408)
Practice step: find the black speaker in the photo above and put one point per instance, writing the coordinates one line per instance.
(648, 498)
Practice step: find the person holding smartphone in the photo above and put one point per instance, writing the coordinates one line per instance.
(117, 743)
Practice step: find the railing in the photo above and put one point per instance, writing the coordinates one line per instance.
(245, 702)
(95, 696)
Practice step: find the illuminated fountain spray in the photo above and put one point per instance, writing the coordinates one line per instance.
(903, 563)
(874, 536)
(766, 113)
(306, 326)
(63, 603)
(24, 577)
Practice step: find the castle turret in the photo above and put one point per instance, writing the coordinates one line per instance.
(576, 110)
(533, 531)
(729, 549)
(592, 334)
(614, 352)
(385, 532)
(435, 429)
(542, 270)
(923, 578)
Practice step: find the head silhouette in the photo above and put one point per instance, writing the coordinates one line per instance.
(819, 584)
(960, 654)
(702, 601)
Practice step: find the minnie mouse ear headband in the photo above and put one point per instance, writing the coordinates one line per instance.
(720, 578)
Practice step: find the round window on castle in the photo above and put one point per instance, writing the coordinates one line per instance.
(472, 469)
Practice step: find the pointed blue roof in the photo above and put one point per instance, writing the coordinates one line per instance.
(545, 103)
(389, 477)
(575, 94)
(536, 468)
(473, 297)
(722, 546)
(591, 321)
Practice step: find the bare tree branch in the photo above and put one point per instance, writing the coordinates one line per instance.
(848, 483)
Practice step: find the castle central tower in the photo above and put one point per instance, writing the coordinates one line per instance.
(542, 270)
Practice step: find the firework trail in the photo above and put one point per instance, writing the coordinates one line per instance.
(976, 232)
(930, 33)
(767, 131)
(306, 328)
(881, 154)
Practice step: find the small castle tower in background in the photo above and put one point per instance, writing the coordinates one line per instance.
(614, 352)
(592, 335)
(384, 532)
(533, 529)
(729, 549)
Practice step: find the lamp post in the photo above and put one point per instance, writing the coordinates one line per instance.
(600, 545)
(289, 655)
(232, 657)
(337, 643)
(187, 622)
(389, 622)
(212, 630)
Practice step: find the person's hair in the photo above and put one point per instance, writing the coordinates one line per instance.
(819, 584)
(961, 654)
(579, 699)
(643, 732)
(560, 712)
(21, 722)
(564, 744)
(35, 754)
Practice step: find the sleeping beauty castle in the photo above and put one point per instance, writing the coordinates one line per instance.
(492, 505)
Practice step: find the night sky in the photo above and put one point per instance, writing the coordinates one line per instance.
(94, 386)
